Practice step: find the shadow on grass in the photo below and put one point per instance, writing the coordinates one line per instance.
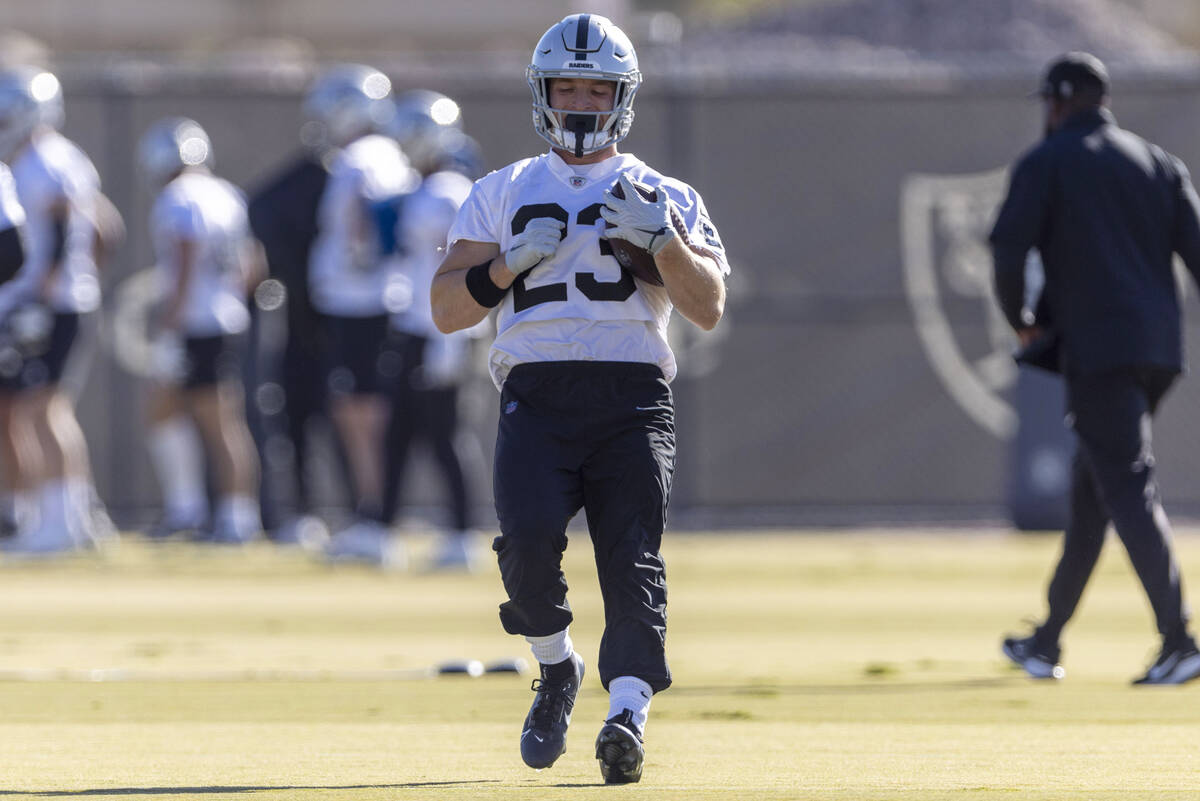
(882, 684)
(232, 789)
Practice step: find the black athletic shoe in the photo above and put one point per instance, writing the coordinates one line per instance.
(619, 749)
(544, 736)
(1175, 665)
(1035, 659)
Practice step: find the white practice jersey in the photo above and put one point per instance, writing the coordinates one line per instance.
(354, 269)
(11, 216)
(11, 213)
(52, 173)
(579, 305)
(423, 221)
(209, 213)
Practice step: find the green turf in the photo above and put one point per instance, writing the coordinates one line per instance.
(848, 665)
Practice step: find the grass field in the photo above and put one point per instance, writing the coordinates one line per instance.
(847, 665)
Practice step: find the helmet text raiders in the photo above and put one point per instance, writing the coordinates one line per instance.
(584, 46)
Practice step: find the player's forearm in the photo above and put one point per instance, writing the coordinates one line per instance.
(454, 308)
(694, 284)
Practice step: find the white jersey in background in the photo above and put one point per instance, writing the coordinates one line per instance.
(351, 274)
(11, 213)
(51, 173)
(210, 213)
(11, 216)
(577, 305)
(424, 220)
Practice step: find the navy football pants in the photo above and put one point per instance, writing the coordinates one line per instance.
(597, 436)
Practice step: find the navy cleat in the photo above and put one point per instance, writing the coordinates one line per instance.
(544, 736)
(1035, 659)
(1175, 664)
(619, 750)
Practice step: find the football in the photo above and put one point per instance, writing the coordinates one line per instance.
(636, 260)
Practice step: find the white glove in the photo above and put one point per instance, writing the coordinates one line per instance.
(641, 222)
(538, 241)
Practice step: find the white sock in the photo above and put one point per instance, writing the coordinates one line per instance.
(178, 456)
(552, 649)
(54, 502)
(629, 692)
(239, 513)
(25, 507)
(81, 494)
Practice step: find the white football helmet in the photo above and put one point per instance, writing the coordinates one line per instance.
(584, 46)
(420, 125)
(29, 97)
(170, 145)
(349, 101)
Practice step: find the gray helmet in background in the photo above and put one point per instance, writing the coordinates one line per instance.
(347, 101)
(173, 144)
(29, 97)
(584, 46)
(427, 125)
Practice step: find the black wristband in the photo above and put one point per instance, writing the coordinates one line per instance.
(481, 286)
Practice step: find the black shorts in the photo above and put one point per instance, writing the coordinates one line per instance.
(31, 359)
(209, 361)
(361, 361)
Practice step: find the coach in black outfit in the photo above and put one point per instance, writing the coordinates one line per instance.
(1106, 210)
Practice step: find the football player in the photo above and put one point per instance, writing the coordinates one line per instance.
(12, 256)
(583, 365)
(208, 264)
(356, 281)
(71, 226)
(433, 364)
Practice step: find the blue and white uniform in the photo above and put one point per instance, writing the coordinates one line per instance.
(53, 174)
(351, 274)
(356, 273)
(55, 181)
(209, 214)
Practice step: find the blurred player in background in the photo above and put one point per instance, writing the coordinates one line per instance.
(1105, 209)
(208, 265)
(283, 215)
(357, 283)
(582, 362)
(12, 256)
(70, 227)
(432, 365)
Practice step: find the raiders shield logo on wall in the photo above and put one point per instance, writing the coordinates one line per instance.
(944, 225)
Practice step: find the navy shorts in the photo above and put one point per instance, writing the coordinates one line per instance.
(209, 361)
(361, 361)
(35, 356)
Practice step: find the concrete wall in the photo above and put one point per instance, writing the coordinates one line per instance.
(821, 393)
